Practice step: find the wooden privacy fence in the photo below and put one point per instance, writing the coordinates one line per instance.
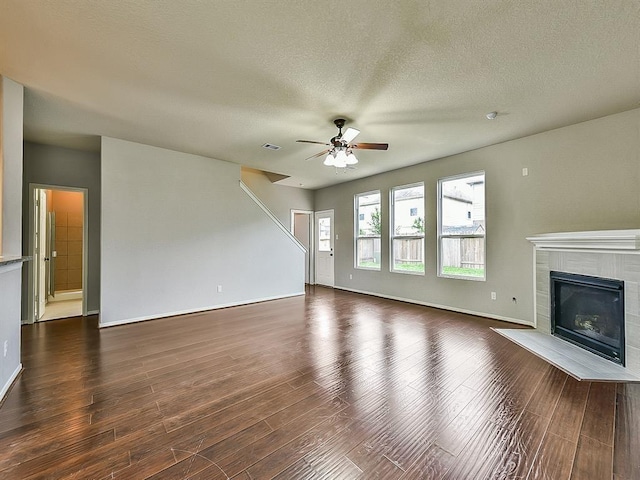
(369, 249)
(408, 250)
(465, 252)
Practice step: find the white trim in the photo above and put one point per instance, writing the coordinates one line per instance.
(85, 245)
(312, 251)
(85, 251)
(441, 307)
(7, 386)
(272, 216)
(93, 312)
(196, 310)
(606, 240)
(292, 218)
(393, 236)
(316, 243)
(535, 289)
(407, 272)
(356, 229)
(440, 236)
(463, 277)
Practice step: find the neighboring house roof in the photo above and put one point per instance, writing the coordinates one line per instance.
(463, 230)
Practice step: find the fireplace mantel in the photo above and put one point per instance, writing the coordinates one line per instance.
(609, 254)
(609, 240)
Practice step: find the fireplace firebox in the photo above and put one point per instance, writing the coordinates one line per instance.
(589, 312)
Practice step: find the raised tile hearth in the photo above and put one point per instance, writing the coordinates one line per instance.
(575, 361)
(610, 254)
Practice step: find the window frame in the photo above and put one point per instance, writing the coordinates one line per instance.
(356, 225)
(393, 236)
(460, 176)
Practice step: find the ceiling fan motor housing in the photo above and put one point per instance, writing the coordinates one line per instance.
(339, 122)
(336, 141)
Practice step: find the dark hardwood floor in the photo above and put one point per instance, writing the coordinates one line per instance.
(333, 385)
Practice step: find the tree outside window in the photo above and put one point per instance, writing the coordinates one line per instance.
(461, 226)
(369, 229)
(407, 239)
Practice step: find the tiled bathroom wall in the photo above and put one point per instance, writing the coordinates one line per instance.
(68, 207)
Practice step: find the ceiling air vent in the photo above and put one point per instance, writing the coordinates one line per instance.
(271, 146)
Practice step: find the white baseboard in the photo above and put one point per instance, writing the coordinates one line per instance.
(195, 310)
(64, 296)
(93, 312)
(7, 386)
(442, 307)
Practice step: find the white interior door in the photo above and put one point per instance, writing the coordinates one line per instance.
(324, 248)
(41, 251)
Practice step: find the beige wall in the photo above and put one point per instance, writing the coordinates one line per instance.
(280, 199)
(581, 177)
(68, 207)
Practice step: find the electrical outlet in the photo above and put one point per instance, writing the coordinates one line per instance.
(219, 288)
(6, 347)
(350, 276)
(525, 172)
(493, 295)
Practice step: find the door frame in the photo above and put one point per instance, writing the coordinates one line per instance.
(32, 272)
(333, 241)
(312, 250)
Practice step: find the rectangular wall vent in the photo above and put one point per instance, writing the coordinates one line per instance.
(270, 146)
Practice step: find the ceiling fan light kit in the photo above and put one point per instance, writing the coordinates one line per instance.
(340, 158)
(340, 151)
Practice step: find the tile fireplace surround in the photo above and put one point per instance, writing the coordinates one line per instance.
(611, 254)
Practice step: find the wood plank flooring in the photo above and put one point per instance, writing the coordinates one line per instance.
(333, 385)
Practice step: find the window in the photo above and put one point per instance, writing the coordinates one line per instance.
(368, 230)
(324, 234)
(407, 237)
(461, 226)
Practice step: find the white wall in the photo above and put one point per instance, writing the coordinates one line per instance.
(10, 276)
(581, 177)
(12, 154)
(174, 227)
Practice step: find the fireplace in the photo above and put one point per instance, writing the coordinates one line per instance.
(589, 312)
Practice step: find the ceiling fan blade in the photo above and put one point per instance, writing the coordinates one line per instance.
(324, 152)
(312, 141)
(371, 146)
(350, 134)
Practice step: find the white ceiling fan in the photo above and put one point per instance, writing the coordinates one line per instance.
(340, 151)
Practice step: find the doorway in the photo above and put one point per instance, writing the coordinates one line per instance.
(302, 229)
(324, 248)
(58, 245)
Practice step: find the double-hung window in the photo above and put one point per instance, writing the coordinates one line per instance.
(407, 235)
(461, 226)
(368, 230)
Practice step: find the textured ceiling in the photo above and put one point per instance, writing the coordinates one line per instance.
(221, 78)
